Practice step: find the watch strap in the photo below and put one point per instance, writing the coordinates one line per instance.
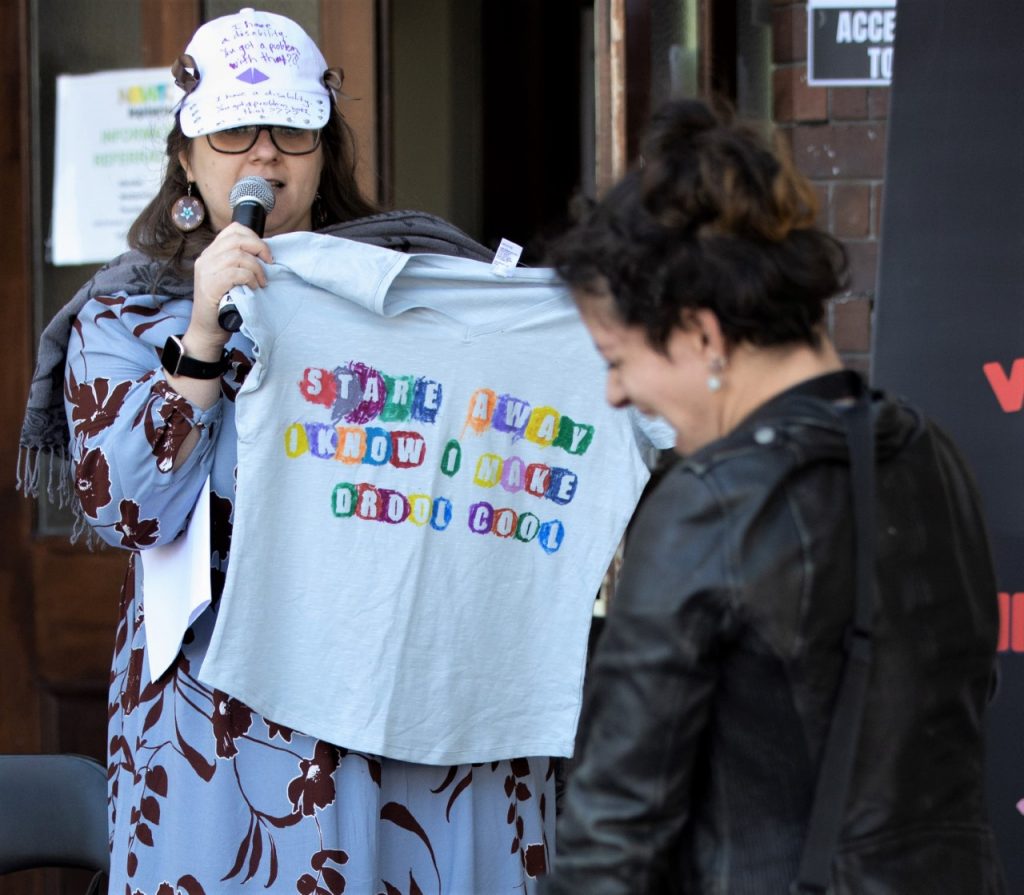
(176, 362)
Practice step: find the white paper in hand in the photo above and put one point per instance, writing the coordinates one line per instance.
(177, 580)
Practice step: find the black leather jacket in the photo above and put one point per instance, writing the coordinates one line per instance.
(711, 691)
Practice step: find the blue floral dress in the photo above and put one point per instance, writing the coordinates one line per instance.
(205, 795)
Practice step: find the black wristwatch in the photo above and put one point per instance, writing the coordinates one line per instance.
(177, 363)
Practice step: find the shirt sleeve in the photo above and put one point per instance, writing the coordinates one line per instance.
(127, 424)
(649, 699)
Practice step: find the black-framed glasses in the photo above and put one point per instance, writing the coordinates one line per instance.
(289, 140)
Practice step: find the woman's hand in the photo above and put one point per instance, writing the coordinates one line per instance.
(232, 259)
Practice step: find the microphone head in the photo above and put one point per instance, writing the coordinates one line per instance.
(252, 189)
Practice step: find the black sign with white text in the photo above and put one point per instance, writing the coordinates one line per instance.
(849, 43)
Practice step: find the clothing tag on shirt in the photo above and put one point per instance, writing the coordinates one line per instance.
(506, 258)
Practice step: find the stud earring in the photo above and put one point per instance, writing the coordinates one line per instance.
(715, 368)
(188, 212)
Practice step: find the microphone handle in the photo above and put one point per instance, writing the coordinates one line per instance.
(250, 213)
(253, 215)
(228, 317)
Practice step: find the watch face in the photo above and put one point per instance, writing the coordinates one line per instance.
(172, 355)
(176, 362)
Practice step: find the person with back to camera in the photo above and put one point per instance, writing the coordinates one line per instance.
(205, 794)
(702, 278)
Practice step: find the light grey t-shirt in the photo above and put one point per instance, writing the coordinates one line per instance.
(430, 489)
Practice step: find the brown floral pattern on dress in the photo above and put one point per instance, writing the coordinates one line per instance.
(220, 542)
(333, 881)
(533, 855)
(239, 366)
(92, 481)
(178, 422)
(186, 885)
(95, 404)
(314, 787)
(231, 719)
(131, 694)
(401, 817)
(135, 532)
(279, 730)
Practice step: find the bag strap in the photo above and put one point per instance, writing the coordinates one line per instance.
(832, 788)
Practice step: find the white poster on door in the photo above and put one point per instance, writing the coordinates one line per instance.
(111, 135)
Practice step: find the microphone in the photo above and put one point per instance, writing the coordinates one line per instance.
(251, 200)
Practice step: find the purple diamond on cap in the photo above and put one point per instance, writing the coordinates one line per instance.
(253, 76)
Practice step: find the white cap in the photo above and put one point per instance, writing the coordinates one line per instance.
(254, 68)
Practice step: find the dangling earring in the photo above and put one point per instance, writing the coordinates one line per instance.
(188, 212)
(318, 213)
(715, 368)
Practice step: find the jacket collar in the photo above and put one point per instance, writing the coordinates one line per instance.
(819, 403)
(811, 395)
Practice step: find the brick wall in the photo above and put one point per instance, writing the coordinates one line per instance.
(837, 136)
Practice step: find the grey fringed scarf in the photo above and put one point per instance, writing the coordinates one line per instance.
(45, 429)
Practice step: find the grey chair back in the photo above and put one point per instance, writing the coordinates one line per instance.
(53, 813)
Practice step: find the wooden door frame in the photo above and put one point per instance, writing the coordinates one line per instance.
(623, 78)
(20, 732)
(350, 36)
(610, 151)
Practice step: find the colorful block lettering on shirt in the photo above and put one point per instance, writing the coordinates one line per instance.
(442, 515)
(378, 446)
(513, 474)
(322, 440)
(538, 477)
(426, 401)
(373, 394)
(551, 535)
(343, 499)
(543, 425)
(368, 502)
(351, 444)
(295, 441)
(318, 386)
(394, 506)
(511, 415)
(408, 449)
(504, 522)
(348, 393)
(515, 416)
(421, 508)
(451, 457)
(562, 488)
(358, 393)
(481, 409)
(573, 437)
(488, 470)
(398, 404)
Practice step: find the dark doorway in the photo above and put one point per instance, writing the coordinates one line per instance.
(533, 52)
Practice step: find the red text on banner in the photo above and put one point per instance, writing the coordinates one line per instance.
(1011, 622)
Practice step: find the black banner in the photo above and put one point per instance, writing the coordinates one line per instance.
(949, 322)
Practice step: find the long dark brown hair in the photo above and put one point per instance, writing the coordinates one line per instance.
(339, 199)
